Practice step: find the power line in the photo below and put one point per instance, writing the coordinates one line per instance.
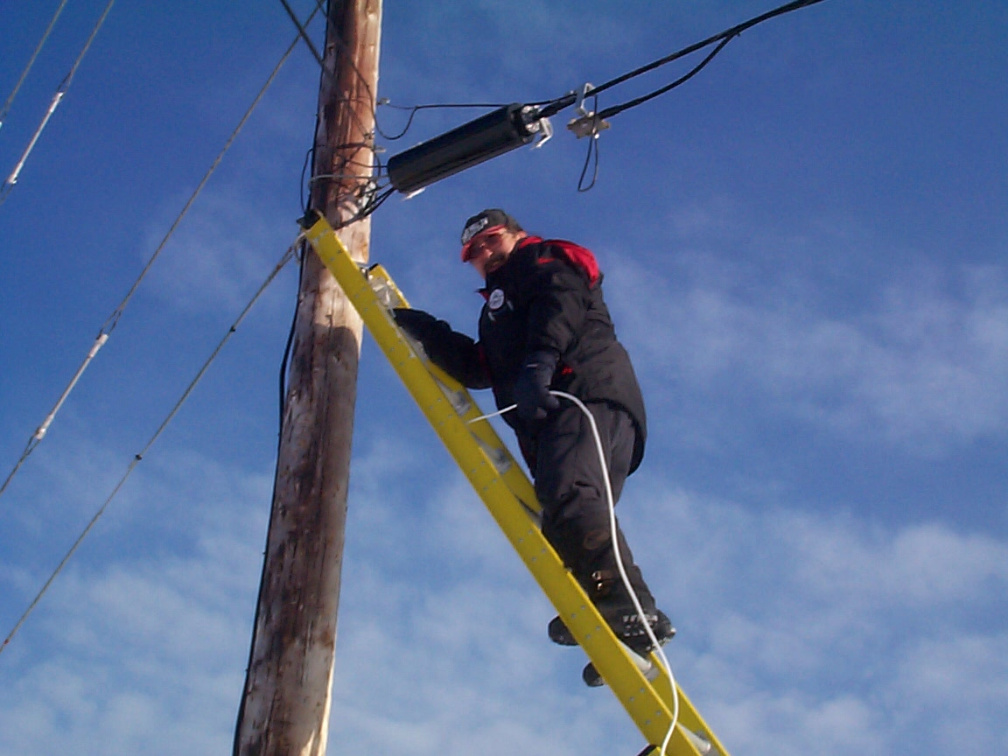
(723, 38)
(302, 31)
(726, 35)
(31, 62)
(57, 99)
(113, 319)
(511, 126)
(138, 457)
(616, 109)
(590, 124)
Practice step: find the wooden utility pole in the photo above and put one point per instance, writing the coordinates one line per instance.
(286, 701)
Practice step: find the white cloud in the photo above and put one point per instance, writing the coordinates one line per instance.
(924, 368)
(846, 631)
(799, 632)
(130, 658)
(972, 671)
(146, 651)
(221, 252)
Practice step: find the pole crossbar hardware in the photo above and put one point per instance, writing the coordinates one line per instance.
(642, 686)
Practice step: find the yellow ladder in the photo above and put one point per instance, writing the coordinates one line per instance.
(642, 686)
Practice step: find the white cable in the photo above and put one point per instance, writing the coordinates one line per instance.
(613, 534)
(498, 413)
(622, 570)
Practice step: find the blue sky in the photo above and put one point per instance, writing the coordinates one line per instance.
(804, 250)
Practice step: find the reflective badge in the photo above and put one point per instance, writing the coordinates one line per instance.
(496, 299)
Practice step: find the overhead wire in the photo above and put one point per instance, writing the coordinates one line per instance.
(616, 109)
(548, 108)
(730, 33)
(138, 457)
(302, 31)
(593, 151)
(416, 108)
(31, 62)
(554, 106)
(595, 120)
(113, 319)
(11, 180)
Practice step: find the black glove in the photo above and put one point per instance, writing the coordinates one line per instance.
(417, 323)
(531, 390)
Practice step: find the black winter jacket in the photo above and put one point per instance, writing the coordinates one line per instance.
(546, 297)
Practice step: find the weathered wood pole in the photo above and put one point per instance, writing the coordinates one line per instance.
(286, 701)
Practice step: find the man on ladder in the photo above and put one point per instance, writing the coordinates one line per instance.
(545, 328)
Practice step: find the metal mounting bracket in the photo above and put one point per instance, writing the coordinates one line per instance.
(587, 123)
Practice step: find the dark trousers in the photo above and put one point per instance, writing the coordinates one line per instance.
(570, 486)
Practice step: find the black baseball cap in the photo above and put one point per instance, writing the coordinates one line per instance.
(488, 220)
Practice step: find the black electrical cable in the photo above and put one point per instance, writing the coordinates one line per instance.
(436, 106)
(309, 153)
(616, 109)
(555, 106)
(302, 30)
(726, 34)
(377, 202)
(593, 150)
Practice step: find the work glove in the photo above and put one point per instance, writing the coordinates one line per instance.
(531, 390)
(417, 323)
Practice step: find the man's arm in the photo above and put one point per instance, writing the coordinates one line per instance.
(454, 352)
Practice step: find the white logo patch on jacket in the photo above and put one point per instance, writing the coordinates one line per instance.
(496, 299)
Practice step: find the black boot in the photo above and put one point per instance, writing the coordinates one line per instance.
(595, 568)
(630, 631)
